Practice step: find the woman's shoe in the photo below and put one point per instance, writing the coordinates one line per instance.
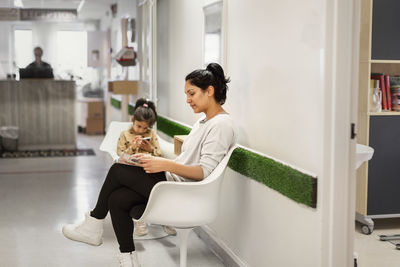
(128, 259)
(141, 228)
(169, 230)
(89, 231)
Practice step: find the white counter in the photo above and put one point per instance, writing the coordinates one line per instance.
(43, 109)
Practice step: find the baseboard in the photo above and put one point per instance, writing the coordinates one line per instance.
(227, 256)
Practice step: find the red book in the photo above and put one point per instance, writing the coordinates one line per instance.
(380, 77)
(388, 92)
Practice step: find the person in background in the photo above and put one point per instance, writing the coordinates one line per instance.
(135, 141)
(129, 186)
(38, 63)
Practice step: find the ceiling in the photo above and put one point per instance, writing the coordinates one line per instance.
(91, 9)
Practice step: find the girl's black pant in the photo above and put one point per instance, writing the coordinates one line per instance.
(124, 188)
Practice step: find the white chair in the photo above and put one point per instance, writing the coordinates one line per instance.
(186, 205)
(181, 205)
(110, 141)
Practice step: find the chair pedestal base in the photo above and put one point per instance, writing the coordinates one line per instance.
(183, 235)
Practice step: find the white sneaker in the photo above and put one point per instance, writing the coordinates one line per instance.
(141, 228)
(128, 259)
(169, 230)
(89, 231)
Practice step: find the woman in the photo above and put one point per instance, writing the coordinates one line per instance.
(127, 186)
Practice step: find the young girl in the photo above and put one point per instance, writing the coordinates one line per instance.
(133, 141)
(141, 139)
(130, 186)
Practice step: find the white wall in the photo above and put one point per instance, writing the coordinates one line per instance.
(5, 49)
(275, 61)
(125, 9)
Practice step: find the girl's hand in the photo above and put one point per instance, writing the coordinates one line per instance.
(122, 160)
(152, 164)
(136, 142)
(146, 145)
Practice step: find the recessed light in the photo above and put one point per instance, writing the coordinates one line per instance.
(18, 3)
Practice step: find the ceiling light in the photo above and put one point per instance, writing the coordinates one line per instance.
(18, 3)
(80, 5)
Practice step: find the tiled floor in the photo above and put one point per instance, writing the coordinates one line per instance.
(375, 253)
(39, 195)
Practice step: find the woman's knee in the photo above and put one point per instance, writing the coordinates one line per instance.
(115, 168)
(114, 171)
(114, 200)
(118, 200)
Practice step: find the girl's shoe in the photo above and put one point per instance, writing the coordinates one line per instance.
(128, 259)
(89, 231)
(169, 230)
(141, 228)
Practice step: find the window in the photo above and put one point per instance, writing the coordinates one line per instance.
(23, 48)
(213, 42)
(72, 51)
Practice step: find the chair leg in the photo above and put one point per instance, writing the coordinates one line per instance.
(183, 235)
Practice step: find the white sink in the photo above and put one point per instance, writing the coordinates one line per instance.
(363, 153)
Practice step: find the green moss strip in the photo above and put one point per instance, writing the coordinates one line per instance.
(170, 127)
(130, 109)
(292, 183)
(115, 103)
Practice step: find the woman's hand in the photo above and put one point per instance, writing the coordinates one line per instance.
(152, 164)
(146, 146)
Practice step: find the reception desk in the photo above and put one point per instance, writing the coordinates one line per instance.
(43, 109)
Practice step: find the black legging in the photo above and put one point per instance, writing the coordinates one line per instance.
(124, 188)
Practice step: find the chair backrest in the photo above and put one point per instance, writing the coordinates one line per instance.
(110, 141)
(220, 169)
(187, 204)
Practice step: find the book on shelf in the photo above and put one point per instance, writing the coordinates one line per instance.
(388, 93)
(395, 90)
(375, 83)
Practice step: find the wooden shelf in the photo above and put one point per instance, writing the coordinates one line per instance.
(178, 142)
(388, 67)
(385, 113)
(375, 61)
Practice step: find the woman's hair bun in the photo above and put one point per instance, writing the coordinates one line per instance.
(220, 81)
